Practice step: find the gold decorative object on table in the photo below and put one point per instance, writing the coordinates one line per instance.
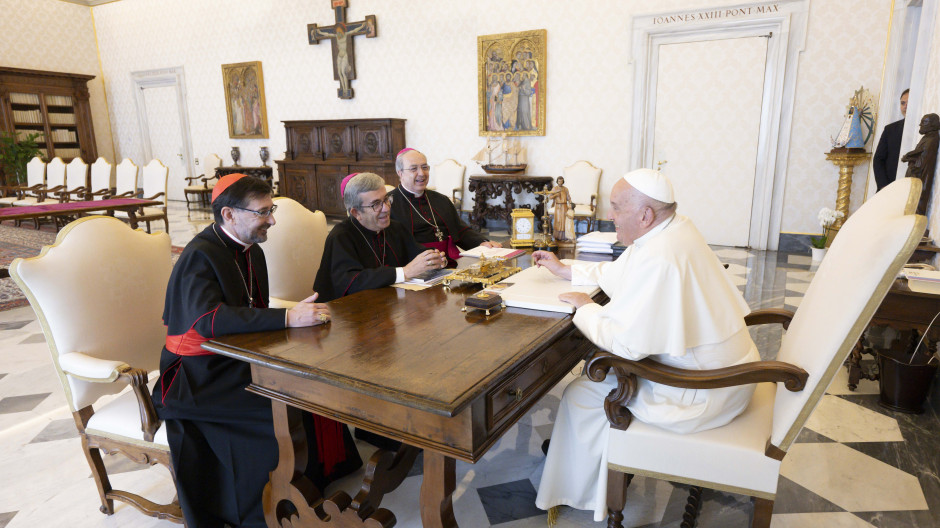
(523, 228)
(848, 148)
(487, 271)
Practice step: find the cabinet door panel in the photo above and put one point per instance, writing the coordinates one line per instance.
(372, 143)
(337, 143)
(305, 143)
(329, 178)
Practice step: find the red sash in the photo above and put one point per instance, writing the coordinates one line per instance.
(448, 247)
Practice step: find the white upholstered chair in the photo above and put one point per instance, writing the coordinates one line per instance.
(125, 179)
(293, 252)
(98, 294)
(154, 180)
(32, 192)
(76, 176)
(745, 455)
(99, 186)
(55, 182)
(199, 188)
(447, 179)
(582, 180)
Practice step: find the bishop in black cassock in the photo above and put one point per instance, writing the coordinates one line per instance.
(429, 215)
(222, 437)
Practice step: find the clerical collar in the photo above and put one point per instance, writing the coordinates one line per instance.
(233, 237)
(405, 189)
(653, 232)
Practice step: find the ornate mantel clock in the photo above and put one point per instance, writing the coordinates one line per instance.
(523, 228)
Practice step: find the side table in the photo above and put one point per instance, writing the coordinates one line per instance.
(486, 186)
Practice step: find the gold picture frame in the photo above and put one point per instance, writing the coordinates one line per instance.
(511, 69)
(244, 100)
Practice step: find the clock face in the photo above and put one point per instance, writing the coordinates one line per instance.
(523, 225)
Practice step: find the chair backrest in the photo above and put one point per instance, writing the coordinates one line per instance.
(55, 173)
(294, 249)
(154, 178)
(99, 291)
(209, 164)
(35, 172)
(100, 175)
(76, 172)
(447, 176)
(848, 287)
(582, 180)
(125, 177)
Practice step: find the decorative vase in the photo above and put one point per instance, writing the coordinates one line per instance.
(236, 155)
(818, 253)
(264, 156)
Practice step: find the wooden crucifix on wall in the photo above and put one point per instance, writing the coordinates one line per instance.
(341, 36)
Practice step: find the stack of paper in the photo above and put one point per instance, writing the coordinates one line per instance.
(597, 242)
(482, 251)
(430, 277)
(538, 289)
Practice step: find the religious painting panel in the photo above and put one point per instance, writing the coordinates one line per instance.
(511, 83)
(244, 100)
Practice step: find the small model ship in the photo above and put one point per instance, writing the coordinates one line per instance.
(502, 156)
(487, 271)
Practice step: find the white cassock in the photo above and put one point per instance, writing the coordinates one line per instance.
(670, 298)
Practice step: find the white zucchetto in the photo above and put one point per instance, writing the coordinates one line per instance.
(651, 183)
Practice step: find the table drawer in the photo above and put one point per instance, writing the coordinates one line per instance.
(533, 379)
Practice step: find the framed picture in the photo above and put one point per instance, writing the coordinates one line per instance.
(244, 100)
(511, 83)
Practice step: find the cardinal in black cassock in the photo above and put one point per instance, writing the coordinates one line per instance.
(221, 437)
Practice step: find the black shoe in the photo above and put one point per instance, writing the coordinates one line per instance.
(545, 446)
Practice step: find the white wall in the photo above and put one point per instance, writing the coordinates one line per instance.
(422, 67)
(56, 36)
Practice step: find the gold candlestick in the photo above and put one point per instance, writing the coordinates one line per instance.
(846, 161)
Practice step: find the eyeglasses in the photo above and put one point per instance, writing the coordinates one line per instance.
(263, 213)
(415, 168)
(378, 204)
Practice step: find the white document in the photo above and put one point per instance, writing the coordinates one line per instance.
(538, 289)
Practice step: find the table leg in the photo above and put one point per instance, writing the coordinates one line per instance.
(132, 218)
(437, 488)
(384, 473)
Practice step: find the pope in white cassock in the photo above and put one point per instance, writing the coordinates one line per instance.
(670, 299)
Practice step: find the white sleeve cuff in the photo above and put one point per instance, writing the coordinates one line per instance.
(399, 275)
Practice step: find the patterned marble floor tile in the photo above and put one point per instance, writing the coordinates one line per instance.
(793, 498)
(33, 339)
(897, 519)
(27, 402)
(56, 430)
(717, 509)
(852, 480)
(840, 385)
(817, 520)
(6, 517)
(807, 436)
(509, 501)
(13, 325)
(845, 421)
(2, 375)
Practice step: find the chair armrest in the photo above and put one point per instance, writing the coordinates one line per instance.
(107, 371)
(793, 378)
(154, 197)
(91, 368)
(593, 202)
(191, 179)
(769, 316)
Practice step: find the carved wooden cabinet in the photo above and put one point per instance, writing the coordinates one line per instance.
(321, 153)
(52, 104)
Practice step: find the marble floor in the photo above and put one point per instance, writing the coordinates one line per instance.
(854, 465)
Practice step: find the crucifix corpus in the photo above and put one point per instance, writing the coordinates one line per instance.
(341, 36)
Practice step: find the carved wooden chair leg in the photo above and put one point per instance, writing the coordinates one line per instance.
(763, 509)
(98, 471)
(617, 484)
(692, 507)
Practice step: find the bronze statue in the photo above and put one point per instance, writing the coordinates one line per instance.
(563, 217)
(922, 161)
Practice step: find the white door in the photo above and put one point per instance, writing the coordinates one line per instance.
(166, 139)
(708, 108)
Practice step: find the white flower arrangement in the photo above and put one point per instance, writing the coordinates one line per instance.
(826, 217)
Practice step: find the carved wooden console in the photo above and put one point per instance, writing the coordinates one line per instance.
(489, 186)
(321, 153)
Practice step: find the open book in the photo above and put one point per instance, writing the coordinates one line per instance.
(538, 289)
(482, 251)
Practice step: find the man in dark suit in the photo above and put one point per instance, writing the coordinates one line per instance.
(885, 162)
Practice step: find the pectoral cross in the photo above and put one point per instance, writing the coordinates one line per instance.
(341, 36)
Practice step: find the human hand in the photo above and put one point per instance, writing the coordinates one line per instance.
(578, 299)
(308, 313)
(551, 262)
(431, 259)
(491, 244)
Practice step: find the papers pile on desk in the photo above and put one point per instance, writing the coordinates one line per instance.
(597, 242)
(482, 251)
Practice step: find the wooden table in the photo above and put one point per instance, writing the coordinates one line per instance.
(904, 310)
(407, 365)
(42, 209)
(486, 186)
